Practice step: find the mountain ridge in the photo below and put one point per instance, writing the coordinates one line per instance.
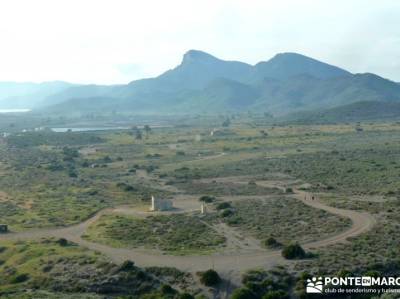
(288, 64)
(203, 83)
(353, 112)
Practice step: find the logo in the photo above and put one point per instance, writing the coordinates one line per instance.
(314, 285)
(353, 284)
(366, 281)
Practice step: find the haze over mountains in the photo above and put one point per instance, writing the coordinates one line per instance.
(202, 83)
(28, 95)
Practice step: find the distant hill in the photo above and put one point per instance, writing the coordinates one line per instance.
(27, 94)
(355, 112)
(286, 65)
(306, 92)
(198, 69)
(202, 83)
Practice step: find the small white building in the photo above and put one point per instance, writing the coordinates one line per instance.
(213, 132)
(159, 204)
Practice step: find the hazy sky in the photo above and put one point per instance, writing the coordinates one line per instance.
(116, 41)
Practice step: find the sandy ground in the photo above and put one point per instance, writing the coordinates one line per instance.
(241, 253)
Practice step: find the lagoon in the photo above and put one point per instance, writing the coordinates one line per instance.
(87, 129)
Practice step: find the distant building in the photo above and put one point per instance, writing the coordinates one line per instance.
(159, 204)
(222, 132)
(213, 132)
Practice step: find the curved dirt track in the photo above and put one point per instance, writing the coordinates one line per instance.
(361, 221)
(227, 263)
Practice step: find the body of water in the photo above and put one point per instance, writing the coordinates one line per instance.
(87, 129)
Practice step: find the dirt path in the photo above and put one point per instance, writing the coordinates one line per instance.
(242, 252)
(216, 156)
(361, 221)
(225, 262)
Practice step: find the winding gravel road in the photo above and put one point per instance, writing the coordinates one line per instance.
(224, 262)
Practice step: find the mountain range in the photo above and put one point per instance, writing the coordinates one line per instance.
(201, 83)
(29, 95)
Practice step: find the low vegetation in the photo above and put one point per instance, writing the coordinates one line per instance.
(176, 234)
(261, 284)
(293, 251)
(283, 219)
(209, 278)
(52, 179)
(226, 188)
(66, 271)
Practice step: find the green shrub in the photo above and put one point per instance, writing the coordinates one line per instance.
(62, 242)
(344, 273)
(276, 295)
(20, 278)
(127, 266)
(373, 273)
(210, 278)
(223, 205)
(107, 159)
(272, 243)
(167, 289)
(72, 174)
(186, 296)
(126, 187)
(207, 199)
(227, 213)
(289, 190)
(293, 251)
(304, 275)
(243, 293)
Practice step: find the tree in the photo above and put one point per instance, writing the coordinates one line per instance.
(210, 278)
(147, 129)
(138, 135)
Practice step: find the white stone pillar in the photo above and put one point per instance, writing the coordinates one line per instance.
(153, 204)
